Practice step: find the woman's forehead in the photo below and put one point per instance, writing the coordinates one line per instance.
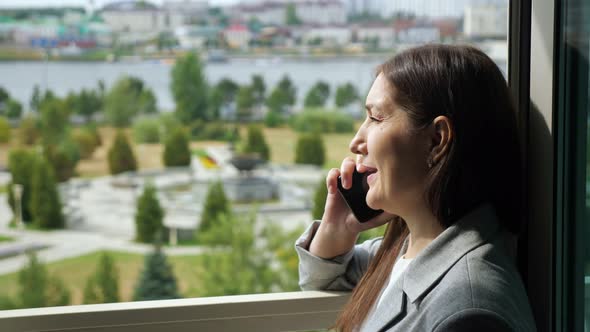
(380, 93)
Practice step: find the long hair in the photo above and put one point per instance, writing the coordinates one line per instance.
(482, 165)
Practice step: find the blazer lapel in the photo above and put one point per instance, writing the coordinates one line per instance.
(392, 308)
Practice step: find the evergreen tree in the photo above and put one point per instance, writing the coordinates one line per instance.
(157, 281)
(54, 121)
(45, 203)
(256, 143)
(103, 286)
(216, 204)
(258, 89)
(282, 96)
(310, 150)
(176, 149)
(245, 101)
(317, 95)
(149, 216)
(121, 157)
(319, 200)
(189, 88)
(20, 165)
(128, 98)
(38, 289)
(14, 109)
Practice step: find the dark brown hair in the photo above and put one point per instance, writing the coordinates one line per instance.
(482, 165)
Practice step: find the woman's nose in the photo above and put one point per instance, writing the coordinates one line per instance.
(358, 144)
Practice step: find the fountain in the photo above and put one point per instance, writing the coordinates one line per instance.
(247, 187)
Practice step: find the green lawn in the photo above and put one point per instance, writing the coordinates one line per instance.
(4, 238)
(75, 271)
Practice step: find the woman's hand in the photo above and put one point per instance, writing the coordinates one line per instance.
(339, 228)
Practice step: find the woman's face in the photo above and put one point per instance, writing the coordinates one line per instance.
(393, 153)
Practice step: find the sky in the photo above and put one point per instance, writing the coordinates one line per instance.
(83, 3)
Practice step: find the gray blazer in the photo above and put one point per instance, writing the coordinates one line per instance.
(464, 280)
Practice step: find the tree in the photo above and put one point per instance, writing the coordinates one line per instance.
(54, 121)
(14, 109)
(146, 130)
(258, 89)
(45, 202)
(63, 157)
(29, 130)
(103, 286)
(149, 216)
(157, 281)
(127, 99)
(256, 143)
(310, 150)
(251, 263)
(176, 149)
(87, 103)
(5, 134)
(319, 200)
(121, 157)
(291, 15)
(317, 95)
(189, 88)
(216, 204)
(282, 96)
(245, 101)
(346, 94)
(222, 95)
(35, 98)
(86, 143)
(38, 289)
(286, 85)
(20, 165)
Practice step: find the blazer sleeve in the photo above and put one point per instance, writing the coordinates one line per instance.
(340, 273)
(479, 320)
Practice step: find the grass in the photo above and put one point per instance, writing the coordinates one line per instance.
(75, 271)
(4, 238)
(282, 142)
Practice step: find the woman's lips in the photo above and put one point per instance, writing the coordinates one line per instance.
(371, 178)
(372, 173)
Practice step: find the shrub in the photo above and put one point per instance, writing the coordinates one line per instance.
(310, 150)
(216, 204)
(121, 157)
(176, 150)
(146, 130)
(86, 142)
(63, 157)
(4, 130)
(103, 286)
(29, 131)
(39, 289)
(273, 119)
(45, 202)
(322, 121)
(256, 143)
(214, 131)
(20, 165)
(149, 217)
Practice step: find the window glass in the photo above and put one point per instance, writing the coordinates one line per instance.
(169, 143)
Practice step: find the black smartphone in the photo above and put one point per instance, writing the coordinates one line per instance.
(356, 197)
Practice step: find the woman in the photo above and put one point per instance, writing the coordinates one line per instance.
(440, 150)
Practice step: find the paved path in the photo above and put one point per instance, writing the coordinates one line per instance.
(64, 244)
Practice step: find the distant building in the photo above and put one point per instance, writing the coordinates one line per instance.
(416, 32)
(327, 35)
(132, 16)
(384, 33)
(237, 36)
(196, 37)
(322, 12)
(185, 12)
(486, 21)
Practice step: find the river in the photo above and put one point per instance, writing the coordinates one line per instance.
(18, 78)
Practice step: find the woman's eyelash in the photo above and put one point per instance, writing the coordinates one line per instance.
(374, 119)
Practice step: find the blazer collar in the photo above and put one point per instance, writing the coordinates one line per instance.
(471, 231)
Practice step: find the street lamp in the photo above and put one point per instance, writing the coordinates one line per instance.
(17, 190)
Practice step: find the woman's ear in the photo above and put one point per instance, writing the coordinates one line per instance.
(441, 138)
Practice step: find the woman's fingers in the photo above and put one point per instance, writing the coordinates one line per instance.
(346, 170)
(332, 180)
